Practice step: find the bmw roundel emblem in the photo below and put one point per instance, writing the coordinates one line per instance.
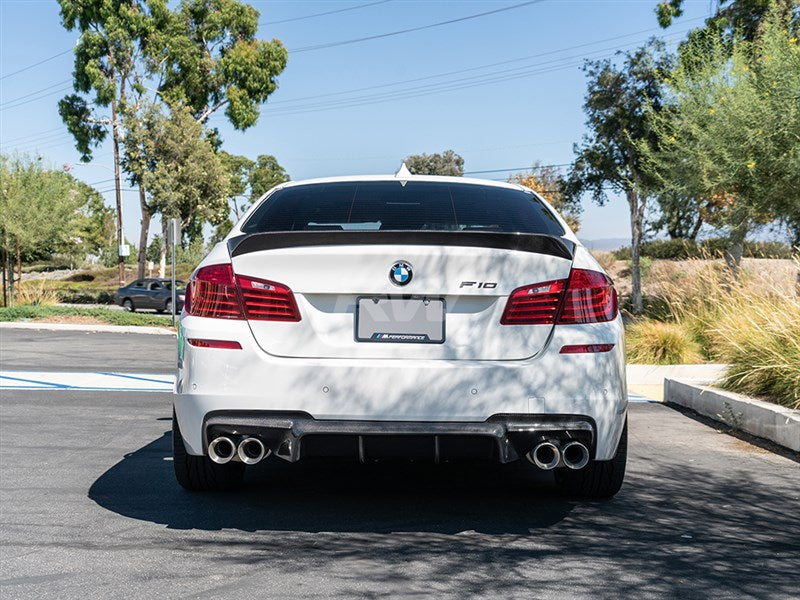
(400, 273)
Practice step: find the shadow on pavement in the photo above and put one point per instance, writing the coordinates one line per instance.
(314, 496)
(674, 530)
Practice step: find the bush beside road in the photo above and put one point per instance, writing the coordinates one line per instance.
(80, 315)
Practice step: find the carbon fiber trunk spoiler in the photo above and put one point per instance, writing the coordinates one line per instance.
(521, 242)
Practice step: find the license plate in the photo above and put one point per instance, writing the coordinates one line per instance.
(400, 320)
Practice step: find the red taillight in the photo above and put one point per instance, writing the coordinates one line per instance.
(215, 292)
(221, 344)
(585, 348)
(266, 300)
(212, 293)
(533, 304)
(589, 297)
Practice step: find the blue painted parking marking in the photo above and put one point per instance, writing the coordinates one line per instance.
(127, 382)
(140, 378)
(36, 383)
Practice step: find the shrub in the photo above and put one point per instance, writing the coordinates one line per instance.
(80, 277)
(660, 343)
(114, 317)
(711, 247)
(760, 338)
(753, 324)
(35, 294)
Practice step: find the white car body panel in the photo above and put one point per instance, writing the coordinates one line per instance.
(484, 368)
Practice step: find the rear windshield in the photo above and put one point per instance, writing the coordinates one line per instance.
(388, 205)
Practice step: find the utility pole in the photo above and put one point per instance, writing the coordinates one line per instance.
(173, 235)
(117, 189)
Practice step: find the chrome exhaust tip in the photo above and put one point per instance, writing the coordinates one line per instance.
(221, 450)
(546, 456)
(575, 455)
(251, 451)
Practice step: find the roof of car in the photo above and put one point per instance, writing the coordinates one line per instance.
(405, 177)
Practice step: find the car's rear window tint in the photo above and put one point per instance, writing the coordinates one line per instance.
(388, 205)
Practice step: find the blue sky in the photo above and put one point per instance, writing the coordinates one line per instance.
(499, 117)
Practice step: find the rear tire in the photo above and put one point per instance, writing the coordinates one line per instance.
(200, 473)
(600, 478)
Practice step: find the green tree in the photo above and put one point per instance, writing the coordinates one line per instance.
(264, 175)
(209, 58)
(93, 228)
(681, 216)
(105, 68)
(185, 176)
(39, 208)
(446, 163)
(608, 158)
(744, 17)
(249, 180)
(202, 55)
(731, 134)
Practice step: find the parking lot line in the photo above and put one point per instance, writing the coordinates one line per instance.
(94, 381)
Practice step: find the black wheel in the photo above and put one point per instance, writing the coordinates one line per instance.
(200, 473)
(598, 479)
(127, 304)
(168, 306)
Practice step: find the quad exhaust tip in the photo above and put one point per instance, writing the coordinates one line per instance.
(251, 450)
(546, 456)
(575, 455)
(221, 450)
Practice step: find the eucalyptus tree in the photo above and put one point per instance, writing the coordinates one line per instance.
(609, 157)
(107, 57)
(202, 56)
(184, 175)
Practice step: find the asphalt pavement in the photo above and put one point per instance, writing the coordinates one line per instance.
(89, 508)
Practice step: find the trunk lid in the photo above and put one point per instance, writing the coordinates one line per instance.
(473, 273)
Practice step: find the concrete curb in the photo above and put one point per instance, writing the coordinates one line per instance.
(704, 374)
(87, 328)
(763, 419)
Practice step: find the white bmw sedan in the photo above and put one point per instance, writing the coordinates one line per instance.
(401, 317)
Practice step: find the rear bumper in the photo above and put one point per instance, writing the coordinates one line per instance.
(450, 393)
(292, 436)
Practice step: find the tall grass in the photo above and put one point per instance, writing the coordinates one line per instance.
(751, 323)
(661, 343)
(35, 294)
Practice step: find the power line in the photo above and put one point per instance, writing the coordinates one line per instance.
(41, 97)
(461, 83)
(31, 135)
(322, 14)
(459, 71)
(410, 29)
(331, 12)
(36, 64)
(33, 144)
(445, 86)
(49, 87)
(518, 169)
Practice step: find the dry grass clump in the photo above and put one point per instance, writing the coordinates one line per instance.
(35, 294)
(661, 343)
(760, 338)
(751, 323)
